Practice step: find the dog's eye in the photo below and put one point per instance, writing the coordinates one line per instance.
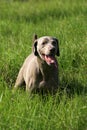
(43, 43)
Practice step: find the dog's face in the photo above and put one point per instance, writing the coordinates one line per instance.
(46, 48)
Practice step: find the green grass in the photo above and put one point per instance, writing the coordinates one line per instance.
(66, 20)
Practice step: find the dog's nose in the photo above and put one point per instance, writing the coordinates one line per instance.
(52, 50)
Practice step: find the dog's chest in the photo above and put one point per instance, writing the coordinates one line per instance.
(48, 74)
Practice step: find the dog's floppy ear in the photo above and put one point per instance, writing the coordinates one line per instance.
(35, 49)
(58, 51)
(35, 45)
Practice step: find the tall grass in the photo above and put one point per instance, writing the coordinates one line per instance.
(66, 20)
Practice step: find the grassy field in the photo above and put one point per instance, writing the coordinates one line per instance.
(66, 20)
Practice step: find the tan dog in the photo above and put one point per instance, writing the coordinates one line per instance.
(40, 68)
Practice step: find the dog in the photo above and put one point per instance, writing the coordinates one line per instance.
(40, 69)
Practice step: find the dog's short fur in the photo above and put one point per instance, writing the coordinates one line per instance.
(40, 68)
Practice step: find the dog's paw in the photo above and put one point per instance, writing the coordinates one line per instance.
(42, 84)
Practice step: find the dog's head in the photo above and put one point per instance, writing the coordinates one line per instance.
(46, 48)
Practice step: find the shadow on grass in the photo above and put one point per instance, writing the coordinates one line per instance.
(72, 87)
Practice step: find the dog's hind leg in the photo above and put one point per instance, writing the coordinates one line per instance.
(20, 79)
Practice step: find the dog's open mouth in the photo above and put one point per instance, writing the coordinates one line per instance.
(50, 59)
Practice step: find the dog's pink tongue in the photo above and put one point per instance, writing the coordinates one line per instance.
(50, 60)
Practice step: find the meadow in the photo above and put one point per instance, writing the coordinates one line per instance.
(66, 20)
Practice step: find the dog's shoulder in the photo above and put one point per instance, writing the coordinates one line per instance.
(30, 58)
(31, 61)
(31, 66)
